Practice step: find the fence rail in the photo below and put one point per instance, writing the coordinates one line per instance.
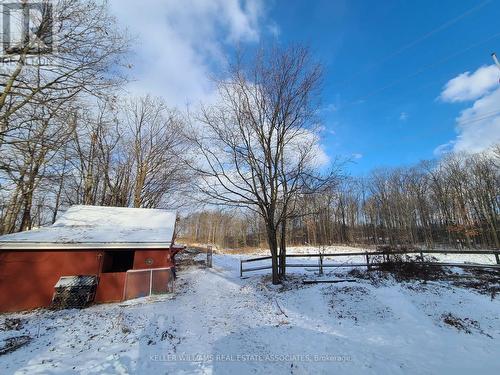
(368, 256)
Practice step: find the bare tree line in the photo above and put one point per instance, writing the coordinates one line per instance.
(452, 202)
(126, 156)
(66, 138)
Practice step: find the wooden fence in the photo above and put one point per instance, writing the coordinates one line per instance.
(368, 258)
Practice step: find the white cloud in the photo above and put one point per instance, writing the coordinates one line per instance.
(321, 158)
(479, 126)
(403, 116)
(357, 156)
(444, 149)
(179, 45)
(307, 142)
(470, 86)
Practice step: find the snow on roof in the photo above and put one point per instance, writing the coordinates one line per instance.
(91, 226)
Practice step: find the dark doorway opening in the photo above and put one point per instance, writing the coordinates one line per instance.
(118, 261)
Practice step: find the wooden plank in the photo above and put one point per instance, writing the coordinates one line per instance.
(399, 252)
(325, 255)
(328, 281)
(464, 265)
(474, 252)
(257, 268)
(327, 265)
(255, 259)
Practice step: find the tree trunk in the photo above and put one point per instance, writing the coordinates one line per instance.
(139, 185)
(26, 217)
(273, 246)
(12, 212)
(58, 194)
(282, 256)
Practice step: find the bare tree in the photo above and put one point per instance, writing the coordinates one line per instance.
(27, 162)
(96, 136)
(258, 144)
(72, 51)
(156, 145)
(85, 55)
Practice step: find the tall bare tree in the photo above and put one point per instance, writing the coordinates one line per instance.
(157, 145)
(28, 161)
(85, 55)
(257, 147)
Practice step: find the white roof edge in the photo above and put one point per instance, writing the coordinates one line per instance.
(35, 246)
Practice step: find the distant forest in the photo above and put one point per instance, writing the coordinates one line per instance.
(453, 202)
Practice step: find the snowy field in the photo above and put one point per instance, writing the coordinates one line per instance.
(217, 323)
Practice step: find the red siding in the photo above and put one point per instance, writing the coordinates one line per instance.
(27, 278)
(110, 287)
(160, 258)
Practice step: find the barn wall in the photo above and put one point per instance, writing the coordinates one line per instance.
(27, 278)
(160, 258)
(110, 287)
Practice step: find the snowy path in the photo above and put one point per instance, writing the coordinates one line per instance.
(217, 323)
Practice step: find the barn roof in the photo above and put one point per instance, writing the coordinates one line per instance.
(99, 227)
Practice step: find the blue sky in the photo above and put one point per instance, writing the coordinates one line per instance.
(387, 64)
(357, 39)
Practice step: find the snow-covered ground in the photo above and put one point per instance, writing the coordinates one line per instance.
(218, 323)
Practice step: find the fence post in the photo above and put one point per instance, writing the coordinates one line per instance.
(173, 283)
(241, 268)
(421, 256)
(368, 267)
(173, 280)
(125, 287)
(320, 264)
(497, 258)
(151, 282)
(209, 256)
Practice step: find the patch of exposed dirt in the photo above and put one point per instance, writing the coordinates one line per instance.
(484, 281)
(292, 282)
(356, 303)
(376, 278)
(13, 343)
(404, 268)
(466, 325)
(190, 257)
(11, 324)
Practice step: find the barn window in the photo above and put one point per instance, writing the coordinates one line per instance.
(118, 261)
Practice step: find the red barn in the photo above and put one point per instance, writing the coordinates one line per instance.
(87, 240)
